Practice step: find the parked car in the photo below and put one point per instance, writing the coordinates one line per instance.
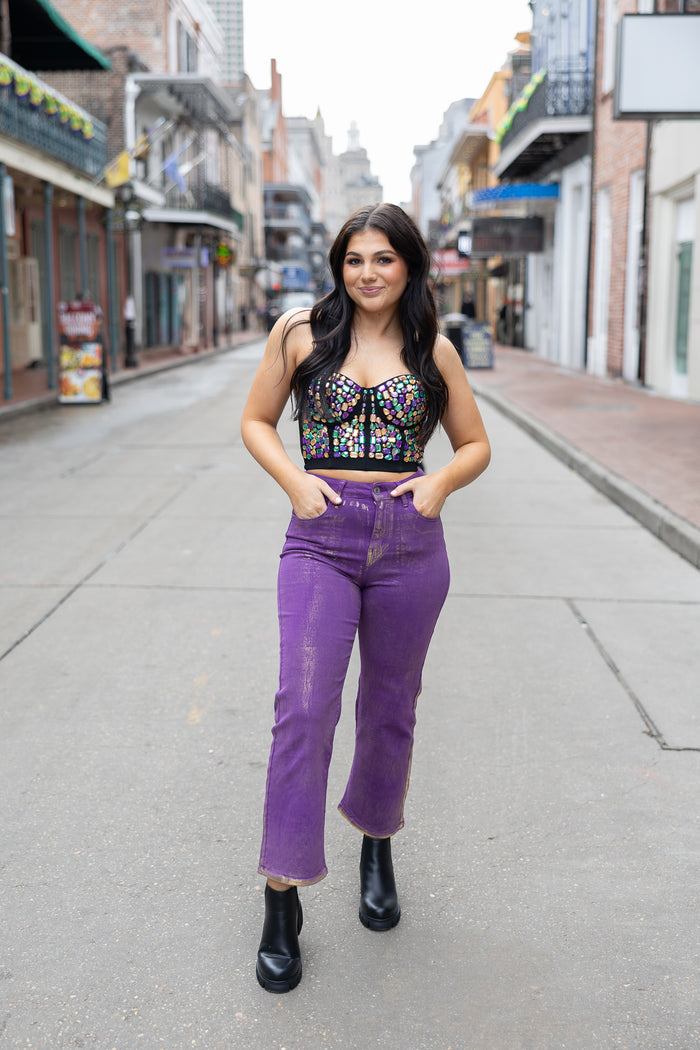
(291, 300)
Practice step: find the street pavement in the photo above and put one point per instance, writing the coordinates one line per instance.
(548, 870)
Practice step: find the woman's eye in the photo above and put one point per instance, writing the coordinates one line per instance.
(386, 259)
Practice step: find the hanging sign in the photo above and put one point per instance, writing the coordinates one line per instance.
(224, 254)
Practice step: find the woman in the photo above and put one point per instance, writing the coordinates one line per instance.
(371, 379)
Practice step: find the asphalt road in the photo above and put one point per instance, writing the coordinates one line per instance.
(548, 870)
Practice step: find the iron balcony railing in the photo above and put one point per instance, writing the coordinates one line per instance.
(566, 90)
(33, 113)
(287, 217)
(206, 197)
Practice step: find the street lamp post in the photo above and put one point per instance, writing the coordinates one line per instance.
(132, 219)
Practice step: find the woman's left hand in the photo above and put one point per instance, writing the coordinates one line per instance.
(428, 494)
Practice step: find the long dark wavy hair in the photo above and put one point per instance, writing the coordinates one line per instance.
(331, 317)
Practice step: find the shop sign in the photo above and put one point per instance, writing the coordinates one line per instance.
(506, 236)
(80, 359)
(295, 278)
(178, 258)
(224, 254)
(449, 262)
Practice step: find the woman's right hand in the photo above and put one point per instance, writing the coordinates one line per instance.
(309, 496)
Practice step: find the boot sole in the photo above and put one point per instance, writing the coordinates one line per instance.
(370, 923)
(278, 986)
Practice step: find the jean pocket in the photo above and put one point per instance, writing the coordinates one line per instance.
(317, 517)
(414, 509)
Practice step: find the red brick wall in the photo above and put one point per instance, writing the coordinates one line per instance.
(100, 92)
(619, 149)
(140, 25)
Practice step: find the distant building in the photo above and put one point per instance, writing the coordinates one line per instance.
(430, 162)
(229, 15)
(358, 185)
(309, 192)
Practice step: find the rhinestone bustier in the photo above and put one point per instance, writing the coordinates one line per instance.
(363, 428)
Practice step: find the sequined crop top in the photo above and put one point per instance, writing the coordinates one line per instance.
(363, 428)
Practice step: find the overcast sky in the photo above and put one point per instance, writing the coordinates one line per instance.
(393, 67)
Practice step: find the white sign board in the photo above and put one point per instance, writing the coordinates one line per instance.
(658, 69)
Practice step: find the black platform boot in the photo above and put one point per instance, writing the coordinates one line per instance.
(379, 903)
(278, 968)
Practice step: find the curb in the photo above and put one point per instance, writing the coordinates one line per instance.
(677, 533)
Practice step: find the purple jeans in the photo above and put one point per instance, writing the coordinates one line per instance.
(374, 568)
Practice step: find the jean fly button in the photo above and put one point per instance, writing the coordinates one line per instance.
(377, 490)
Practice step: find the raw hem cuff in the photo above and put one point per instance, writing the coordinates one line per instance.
(292, 882)
(366, 831)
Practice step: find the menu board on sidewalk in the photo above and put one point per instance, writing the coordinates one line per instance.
(81, 354)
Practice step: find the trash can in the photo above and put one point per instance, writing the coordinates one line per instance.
(453, 326)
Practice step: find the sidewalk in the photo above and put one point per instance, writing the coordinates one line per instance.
(640, 449)
(29, 385)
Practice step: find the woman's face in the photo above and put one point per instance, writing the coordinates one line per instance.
(374, 274)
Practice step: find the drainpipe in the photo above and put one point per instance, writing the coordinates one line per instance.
(48, 300)
(4, 290)
(111, 292)
(644, 262)
(591, 205)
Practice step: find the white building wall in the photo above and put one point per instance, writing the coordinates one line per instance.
(674, 179)
(572, 268)
(540, 323)
(555, 317)
(198, 19)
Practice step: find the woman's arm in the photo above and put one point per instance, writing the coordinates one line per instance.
(268, 395)
(464, 427)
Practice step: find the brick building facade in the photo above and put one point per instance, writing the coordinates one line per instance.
(616, 265)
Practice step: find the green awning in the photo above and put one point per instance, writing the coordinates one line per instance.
(42, 39)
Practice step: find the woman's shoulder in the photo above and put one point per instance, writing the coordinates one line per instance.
(292, 331)
(445, 354)
(299, 317)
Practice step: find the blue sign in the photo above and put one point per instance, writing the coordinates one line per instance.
(295, 278)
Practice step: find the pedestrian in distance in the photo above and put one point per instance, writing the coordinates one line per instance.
(371, 379)
(468, 308)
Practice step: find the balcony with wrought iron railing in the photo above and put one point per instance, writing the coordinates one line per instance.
(34, 113)
(556, 105)
(289, 217)
(206, 197)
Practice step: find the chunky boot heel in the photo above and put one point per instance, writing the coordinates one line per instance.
(278, 967)
(379, 902)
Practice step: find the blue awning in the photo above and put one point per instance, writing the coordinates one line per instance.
(519, 191)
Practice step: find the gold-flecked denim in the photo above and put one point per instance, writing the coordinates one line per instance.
(371, 567)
